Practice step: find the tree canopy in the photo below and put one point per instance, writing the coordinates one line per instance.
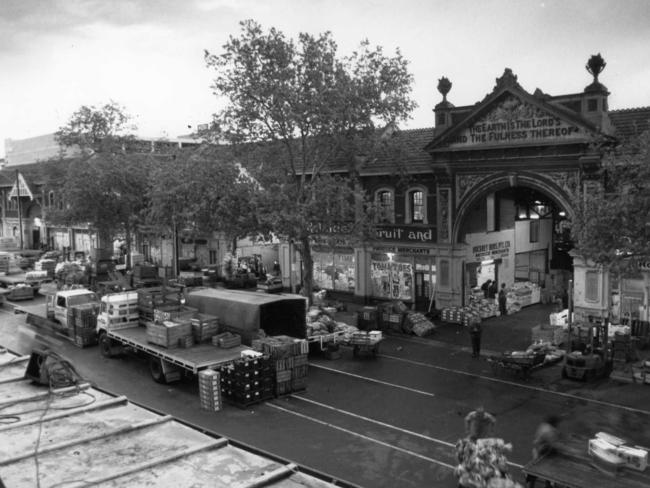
(97, 129)
(105, 187)
(298, 114)
(612, 225)
(202, 190)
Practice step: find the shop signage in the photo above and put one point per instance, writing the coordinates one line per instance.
(410, 234)
(644, 265)
(491, 250)
(325, 228)
(514, 121)
(403, 250)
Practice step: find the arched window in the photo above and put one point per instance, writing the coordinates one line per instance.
(50, 198)
(385, 202)
(416, 206)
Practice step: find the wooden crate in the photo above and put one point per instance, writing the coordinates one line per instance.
(168, 333)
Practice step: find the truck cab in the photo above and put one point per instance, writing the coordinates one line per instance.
(59, 304)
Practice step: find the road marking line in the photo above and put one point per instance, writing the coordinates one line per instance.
(365, 437)
(383, 424)
(488, 378)
(367, 419)
(366, 378)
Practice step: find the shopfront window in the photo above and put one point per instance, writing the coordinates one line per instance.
(391, 279)
(334, 271)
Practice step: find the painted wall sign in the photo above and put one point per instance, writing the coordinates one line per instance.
(515, 122)
(397, 233)
(491, 250)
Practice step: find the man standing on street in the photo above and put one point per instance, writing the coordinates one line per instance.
(502, 300)
(475, 335)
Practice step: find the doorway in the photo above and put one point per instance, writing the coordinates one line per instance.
(36, 238)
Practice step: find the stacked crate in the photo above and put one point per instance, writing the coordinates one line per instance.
(289, 362)
(204, 327)
(121, 310)
(82, 322)
(247, 381)
(367, 318)
(144, 276)
(210, 390)
(160, 298)
(47, 265)
(169, 334)
(226, 340)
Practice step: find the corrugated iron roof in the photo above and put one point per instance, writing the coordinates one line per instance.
(80, 436)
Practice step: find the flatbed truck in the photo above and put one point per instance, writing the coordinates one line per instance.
(166, 365)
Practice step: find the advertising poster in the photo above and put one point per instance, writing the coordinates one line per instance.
(392, 280)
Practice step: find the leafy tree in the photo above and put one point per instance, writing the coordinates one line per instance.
(611, 225)
(297, 114)
(201, 190)
(106, 185)
(97, 129)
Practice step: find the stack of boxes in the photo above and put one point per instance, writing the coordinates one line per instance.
(162, 299)
(247, 381)
(169, 334)
(210, 390)
(144, 276)
(226, 340)
(121, 310)
(204, 327)
(47, 265)
(289, 362)
(167, 321)
(82, 322)
(460, 315)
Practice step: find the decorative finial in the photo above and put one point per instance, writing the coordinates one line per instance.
(595, 66)
(508, 78)
(444, 85)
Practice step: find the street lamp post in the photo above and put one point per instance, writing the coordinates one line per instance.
(20, 212)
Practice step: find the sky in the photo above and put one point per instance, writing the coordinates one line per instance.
(147, 55)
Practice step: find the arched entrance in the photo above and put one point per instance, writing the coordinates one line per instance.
(513, 226)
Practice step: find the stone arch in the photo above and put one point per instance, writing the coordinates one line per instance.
(499, 181)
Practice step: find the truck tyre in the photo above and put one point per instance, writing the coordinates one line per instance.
(156, 370)
(106, 345)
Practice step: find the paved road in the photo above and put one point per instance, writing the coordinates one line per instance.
(385, 422)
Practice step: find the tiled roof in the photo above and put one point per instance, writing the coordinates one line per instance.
(631, 121)
(411, 154)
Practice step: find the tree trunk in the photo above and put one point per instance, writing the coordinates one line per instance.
(308, 270)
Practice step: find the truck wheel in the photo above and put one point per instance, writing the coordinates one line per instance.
(156, 370)
(106, 345)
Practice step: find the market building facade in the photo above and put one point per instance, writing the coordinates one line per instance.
(486, 196)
